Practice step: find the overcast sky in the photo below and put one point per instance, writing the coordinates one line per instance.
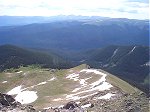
(133, 9)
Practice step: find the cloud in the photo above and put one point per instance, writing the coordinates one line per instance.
(142, 1)
(135, 9)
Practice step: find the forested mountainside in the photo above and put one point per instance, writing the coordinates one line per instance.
(13, 57)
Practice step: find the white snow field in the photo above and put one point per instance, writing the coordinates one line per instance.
(88, 89)
(24, 97)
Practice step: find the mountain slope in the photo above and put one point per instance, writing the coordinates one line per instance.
(12, 57)
(77, 35)
(91, 89)
(127, 62)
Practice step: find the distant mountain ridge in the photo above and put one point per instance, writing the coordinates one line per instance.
(23, 20)
(77, 34)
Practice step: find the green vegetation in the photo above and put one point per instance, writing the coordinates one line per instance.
(13, 57)
(118, 60)
(80, 67)
(52, 89)
(33, 75)
(124, 86)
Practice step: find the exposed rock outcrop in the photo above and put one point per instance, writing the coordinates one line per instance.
(7, 101)
(9, 104)
(71, 105)
(122, 102)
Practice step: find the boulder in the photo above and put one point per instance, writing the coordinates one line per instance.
(71, 105)
(7, 100)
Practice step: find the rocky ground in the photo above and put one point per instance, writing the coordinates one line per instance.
(122, 102)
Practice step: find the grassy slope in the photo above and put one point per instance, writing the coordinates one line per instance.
(33, 75)
(126, 87)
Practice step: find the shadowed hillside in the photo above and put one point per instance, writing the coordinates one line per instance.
(13, 57)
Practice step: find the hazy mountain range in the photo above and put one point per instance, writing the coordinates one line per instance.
(77, 34)
(23, 20)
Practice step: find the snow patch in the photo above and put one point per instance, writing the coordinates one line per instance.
(107, 96)
(73, 76)
(88, 89)
(146, 64)
(58, 99)
(52, 79)
(24, 97)
(86, 106)
(4, 82)
(15, 90)
(47, 108)
(102, 87)
(132, 50)
(90, 70)
(114, 53)
(19, 72)
(76, 89)
(76, 97)
(25, 73)
(82, 82)
(39, 84)
(42, 83)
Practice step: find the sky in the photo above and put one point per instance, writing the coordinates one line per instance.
(132, 9)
